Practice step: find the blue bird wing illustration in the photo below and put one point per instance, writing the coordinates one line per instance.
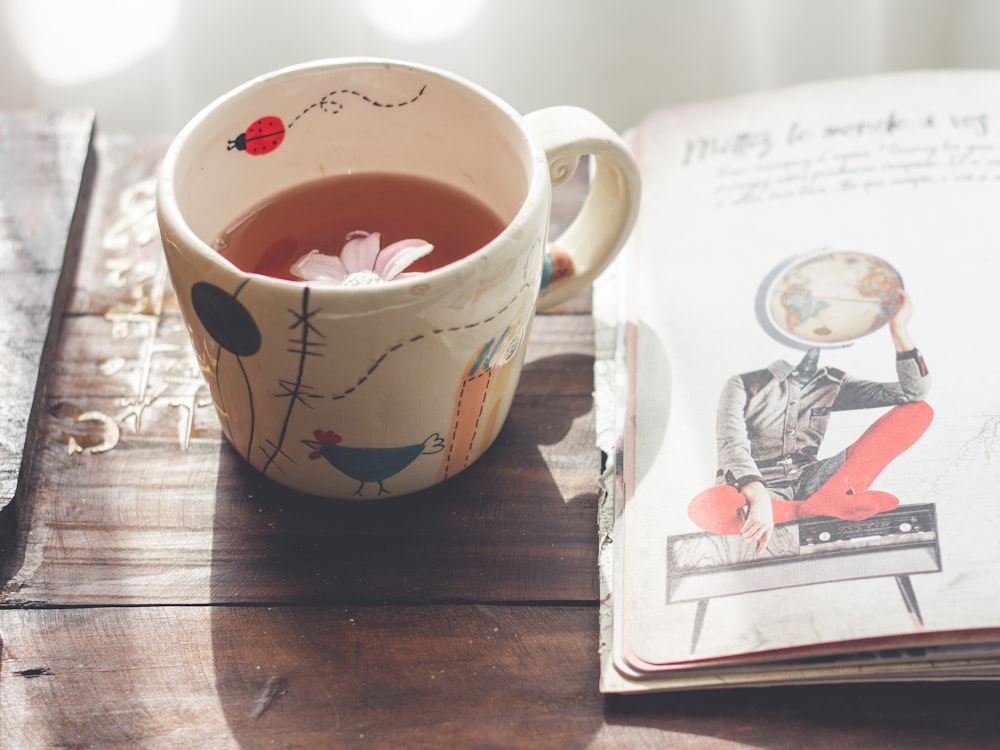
(376, 464)
(370, 464)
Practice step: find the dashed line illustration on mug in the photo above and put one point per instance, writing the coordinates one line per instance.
(420, 337)
(267, 133)
(232, 326)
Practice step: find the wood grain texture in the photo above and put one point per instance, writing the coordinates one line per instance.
(442, 676)
(45, 173)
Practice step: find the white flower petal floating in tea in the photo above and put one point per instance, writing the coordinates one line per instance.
(362, 261)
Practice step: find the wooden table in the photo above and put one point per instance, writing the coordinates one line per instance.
(157, 593)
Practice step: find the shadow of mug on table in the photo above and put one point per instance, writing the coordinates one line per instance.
(327, 658)
(393, 386)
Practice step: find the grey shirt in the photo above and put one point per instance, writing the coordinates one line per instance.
(770, 426)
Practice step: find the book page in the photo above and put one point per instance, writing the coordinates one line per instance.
(900, 174)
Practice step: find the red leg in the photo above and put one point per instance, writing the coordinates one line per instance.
(845, 494)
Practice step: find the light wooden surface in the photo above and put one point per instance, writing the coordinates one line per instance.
(156, 593)
(46, 169)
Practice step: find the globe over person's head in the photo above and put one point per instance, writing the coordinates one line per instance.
(829, 298)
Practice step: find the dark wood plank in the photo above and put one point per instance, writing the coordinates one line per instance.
(45, 174)
(414, 677)
(442, 676)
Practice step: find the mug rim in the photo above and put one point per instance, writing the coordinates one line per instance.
(169, 213)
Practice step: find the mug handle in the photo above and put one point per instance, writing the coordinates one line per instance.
(609, 211)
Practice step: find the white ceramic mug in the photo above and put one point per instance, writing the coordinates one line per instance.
(361, 392)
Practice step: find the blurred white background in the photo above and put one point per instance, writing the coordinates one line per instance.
(149, 66)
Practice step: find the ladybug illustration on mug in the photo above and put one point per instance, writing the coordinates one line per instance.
(264, 134)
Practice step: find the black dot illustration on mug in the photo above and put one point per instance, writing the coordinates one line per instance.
(225, 318)
(233, 328)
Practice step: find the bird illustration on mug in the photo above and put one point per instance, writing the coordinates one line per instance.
(369, 465)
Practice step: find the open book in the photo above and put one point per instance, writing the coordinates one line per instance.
(807, 309)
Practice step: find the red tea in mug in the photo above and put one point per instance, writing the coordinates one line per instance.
(320, 215)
